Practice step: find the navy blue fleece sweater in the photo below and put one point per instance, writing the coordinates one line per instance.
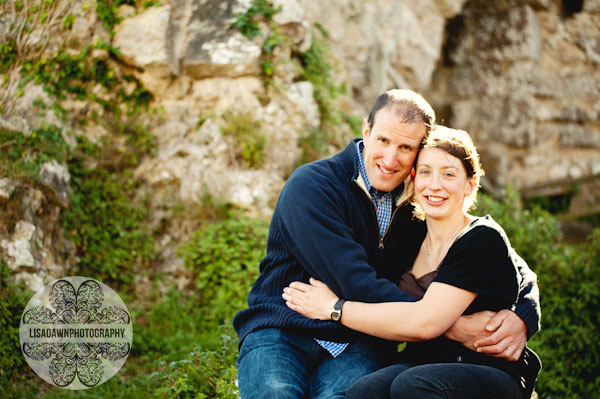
(325, 226)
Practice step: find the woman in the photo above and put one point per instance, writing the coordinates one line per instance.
(465, 265)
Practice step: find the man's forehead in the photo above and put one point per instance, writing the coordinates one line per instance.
(405, 132)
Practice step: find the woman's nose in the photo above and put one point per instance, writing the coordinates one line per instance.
(435, 182)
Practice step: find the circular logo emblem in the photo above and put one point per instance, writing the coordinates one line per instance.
(76, 333)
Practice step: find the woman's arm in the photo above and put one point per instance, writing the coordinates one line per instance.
(426, 319)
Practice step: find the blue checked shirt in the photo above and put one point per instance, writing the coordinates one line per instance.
(383, 204)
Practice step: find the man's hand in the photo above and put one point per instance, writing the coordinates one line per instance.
(469, 329)
(508, 338)
(501, 334)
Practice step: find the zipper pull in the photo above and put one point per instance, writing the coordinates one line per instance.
(381, 243)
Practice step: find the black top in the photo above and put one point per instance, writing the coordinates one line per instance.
(481, 260)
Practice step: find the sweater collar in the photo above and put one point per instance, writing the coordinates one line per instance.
(361, 178)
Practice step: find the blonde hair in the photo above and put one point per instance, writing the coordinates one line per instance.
(459, 144)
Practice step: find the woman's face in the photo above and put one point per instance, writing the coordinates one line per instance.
(441, 183)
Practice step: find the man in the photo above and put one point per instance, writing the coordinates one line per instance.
(346, 221)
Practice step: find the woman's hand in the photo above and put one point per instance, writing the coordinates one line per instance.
(314, 301)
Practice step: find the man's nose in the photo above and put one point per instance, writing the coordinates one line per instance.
(390, 158)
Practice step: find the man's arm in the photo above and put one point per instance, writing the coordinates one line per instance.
(528, 305)
(312, 218)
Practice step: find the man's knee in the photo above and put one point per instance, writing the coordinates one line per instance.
(269, 366)
(271, 388)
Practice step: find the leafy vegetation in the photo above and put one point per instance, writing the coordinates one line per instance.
(316, 66)
(107, 10)
(247, 23)
(24, 155)
(250, 140)
(224, 259)
(203, 373)
(259, 11)
(103, 222)
(13, 299)
(569, 281)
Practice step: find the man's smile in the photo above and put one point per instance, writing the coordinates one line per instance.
(386, 171)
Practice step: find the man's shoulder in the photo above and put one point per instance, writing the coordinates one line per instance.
(339, 167)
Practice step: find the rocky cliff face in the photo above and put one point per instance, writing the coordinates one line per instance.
(523, 77)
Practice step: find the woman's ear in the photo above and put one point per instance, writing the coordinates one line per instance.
(472, 182)
(412, 173)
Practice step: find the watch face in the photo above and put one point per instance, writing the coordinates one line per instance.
(335, 315)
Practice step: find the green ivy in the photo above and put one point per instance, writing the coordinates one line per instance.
(22, 156)
(569, 282)
(317, 68)
(8, 54)
(224, 258)
(204, 373)
(247, 22)
(13, 299)
(248, 136)
(76, 75)
(107, 10)
(104, 221)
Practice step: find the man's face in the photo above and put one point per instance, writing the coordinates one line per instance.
(390, 149)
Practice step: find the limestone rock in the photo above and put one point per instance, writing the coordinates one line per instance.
(212, 48)
(573, 135)
(301, 94)
(56, 177)
(145, 41)
(7, 186)
(292, 22)
(217, 95)
(511, 35)
(18, 248)
(34, 281)
(592, 6)
(494, 160)
(384, 44)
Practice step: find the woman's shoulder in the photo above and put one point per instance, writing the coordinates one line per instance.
(485, 227)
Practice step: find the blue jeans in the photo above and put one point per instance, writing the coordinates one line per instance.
(278, 364)
(438, 380)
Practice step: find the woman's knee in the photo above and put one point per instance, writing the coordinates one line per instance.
(376, 385)
(411, 384)
(368, 388)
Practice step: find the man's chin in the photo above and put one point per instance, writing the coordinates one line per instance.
(388, 186)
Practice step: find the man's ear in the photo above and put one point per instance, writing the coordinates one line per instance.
(365, 129)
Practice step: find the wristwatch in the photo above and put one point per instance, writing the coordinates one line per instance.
(336, 312)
